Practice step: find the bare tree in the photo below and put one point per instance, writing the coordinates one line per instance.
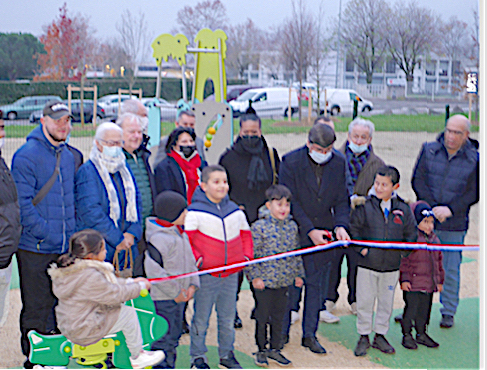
(135, 41)
(270, 56)
(411, 34)
(244, 44)
(475, 39)
(297, 37)
(362, 34)
(205, 14)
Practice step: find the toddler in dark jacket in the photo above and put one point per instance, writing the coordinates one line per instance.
(421, 274)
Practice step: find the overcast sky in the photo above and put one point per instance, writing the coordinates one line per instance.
(29, 16)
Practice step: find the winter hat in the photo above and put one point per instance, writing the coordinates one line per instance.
(169, 205)
(421, 211)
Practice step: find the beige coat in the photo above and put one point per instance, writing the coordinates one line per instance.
(90, 298)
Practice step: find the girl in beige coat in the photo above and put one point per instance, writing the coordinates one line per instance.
(91, 298)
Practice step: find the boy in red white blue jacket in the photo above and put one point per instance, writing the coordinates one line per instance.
(219, 236)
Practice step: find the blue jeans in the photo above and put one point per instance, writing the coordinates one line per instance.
(222, 293)
(317, 270)
(449, 297)
(173, 313)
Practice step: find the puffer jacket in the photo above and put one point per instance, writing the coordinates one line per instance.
(448, 182)
(423, 268)
(218, 232)
(47, 226)
(90, 298)
(93, 209)
(367, 222)
(10, 227)
(272, 236)
(177, 258)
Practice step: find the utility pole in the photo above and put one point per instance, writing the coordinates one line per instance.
(338, 46)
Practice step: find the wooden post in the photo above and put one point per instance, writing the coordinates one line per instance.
(470, 107)
(310, 106)
(158, 83)
(289, 108)
(325, 113)
(95, 105)
(81, 108)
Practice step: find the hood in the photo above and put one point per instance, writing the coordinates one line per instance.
(152, 228)
(265, 213)
(38, 134)
(372, 192)
(199, 196)
(65, 279)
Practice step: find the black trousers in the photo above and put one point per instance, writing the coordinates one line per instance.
(270, 308)
(335, 274)
(38, 301)
(417, 311)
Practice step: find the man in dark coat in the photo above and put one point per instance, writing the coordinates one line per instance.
(10, 227)
(316, 178)
(446, 176)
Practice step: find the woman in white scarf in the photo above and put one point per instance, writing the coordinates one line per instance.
(106, 194)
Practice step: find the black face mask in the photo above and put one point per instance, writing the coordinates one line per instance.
(251, 141)
(187, 150)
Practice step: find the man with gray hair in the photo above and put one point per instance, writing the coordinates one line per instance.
(137, 158)
(321, 207)
(446, 176)
(185, 118)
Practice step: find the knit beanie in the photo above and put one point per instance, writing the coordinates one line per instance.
(421, 211)
(169, 205)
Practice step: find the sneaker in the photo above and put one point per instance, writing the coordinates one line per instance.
(353, 308)
(446, 321)
(261, 359)
(147, 358)
(330, 306)
(199, 363)
(398, 318)
(328, 317)
(408, 342)
(313, 345)
(294, 317)
(381, 343)
(425, 340)
(277, 356)
(230, 362)
(363, 345)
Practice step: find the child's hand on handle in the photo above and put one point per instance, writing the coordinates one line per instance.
(298, 282)
(129, 239)
(439, 287)
(143, 280)
(258, 283)
(406, 286)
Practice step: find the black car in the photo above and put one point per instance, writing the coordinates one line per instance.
(75, 111)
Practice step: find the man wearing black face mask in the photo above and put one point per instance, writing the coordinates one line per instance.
(180, 170)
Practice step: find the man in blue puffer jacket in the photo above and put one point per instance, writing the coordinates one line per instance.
(48, 225)
(446, 176)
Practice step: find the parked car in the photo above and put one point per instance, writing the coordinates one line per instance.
(168, 110)
(35, 117)
(267, 101)
(23, 107)
(340, 101)
(233, 92)
(110, 103)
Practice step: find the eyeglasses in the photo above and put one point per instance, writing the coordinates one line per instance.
(113, 143)
(454, 132)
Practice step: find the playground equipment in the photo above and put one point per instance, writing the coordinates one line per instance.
(56, 350)
(213, 119)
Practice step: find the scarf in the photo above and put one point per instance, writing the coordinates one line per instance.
(356, 162)
(257, 176)
(107, 165)
(190, 169)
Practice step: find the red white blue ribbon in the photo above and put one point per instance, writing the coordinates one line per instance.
(322, 247)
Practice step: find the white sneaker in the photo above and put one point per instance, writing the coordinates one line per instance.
(330, 306)
(327, 317)
(147, 358)
(353, 308)
(294, 317)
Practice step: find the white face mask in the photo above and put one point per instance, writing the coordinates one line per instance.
(357, 149)
(112, 151)
(2, 142)
(320, 158)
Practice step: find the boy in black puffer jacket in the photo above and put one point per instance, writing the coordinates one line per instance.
(384, 217)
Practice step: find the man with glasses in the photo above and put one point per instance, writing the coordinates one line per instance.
(446, 176)
(43, 169)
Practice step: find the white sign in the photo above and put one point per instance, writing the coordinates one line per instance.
(472, 80)
(396, 82)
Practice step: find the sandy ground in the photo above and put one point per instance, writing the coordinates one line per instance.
(396, 148)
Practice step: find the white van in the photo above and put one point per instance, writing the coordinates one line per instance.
(340, 101)
(267, 101)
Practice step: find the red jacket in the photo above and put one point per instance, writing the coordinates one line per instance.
(423, 269)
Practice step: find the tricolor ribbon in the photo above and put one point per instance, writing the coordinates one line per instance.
(321, 247)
